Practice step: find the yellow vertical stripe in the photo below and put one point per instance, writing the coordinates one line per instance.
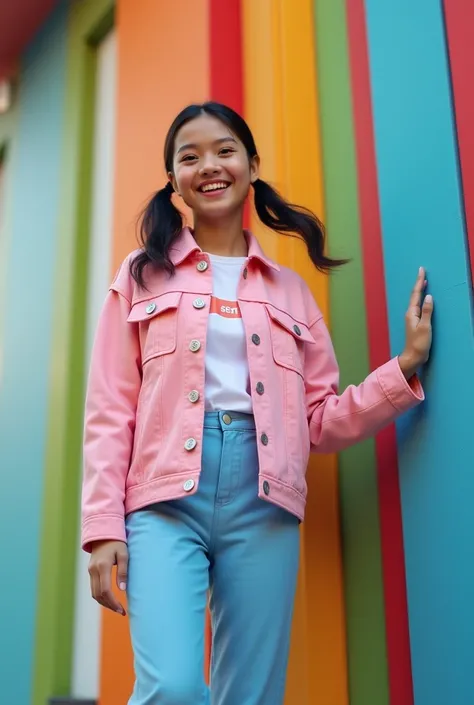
(282, 109)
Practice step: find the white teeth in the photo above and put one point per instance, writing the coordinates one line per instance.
(214, 187)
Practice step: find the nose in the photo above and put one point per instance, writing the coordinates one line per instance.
(209, 166)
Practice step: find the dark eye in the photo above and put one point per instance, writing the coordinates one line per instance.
(227, 150)
(188, 158)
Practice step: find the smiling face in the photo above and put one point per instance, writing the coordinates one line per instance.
(212, 171)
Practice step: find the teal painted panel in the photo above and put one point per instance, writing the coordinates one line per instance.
(26, 339)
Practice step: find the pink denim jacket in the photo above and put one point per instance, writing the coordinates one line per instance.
(143, 435)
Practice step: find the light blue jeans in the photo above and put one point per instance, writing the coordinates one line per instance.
(227, 543)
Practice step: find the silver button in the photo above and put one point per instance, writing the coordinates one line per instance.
(193, 396)
(202, 266)
(150, 308)
(188, 485)
(266, 488)
(297, 330)
(264, 439)
(227, 419)
(260, 388)
(190, 444)
(194, 345)
(199, 303)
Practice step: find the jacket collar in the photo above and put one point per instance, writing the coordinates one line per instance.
(186, 245)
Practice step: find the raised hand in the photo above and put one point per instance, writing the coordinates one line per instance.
(418, 334)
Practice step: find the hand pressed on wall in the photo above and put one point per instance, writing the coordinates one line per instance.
(418, 332)
(104, 555)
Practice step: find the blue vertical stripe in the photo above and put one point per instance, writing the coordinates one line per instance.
(26, 341)
(423, 224)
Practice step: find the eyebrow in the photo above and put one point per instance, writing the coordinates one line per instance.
(195, 146)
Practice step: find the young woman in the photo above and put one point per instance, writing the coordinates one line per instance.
(212, 378)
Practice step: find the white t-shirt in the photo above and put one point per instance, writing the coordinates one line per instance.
(227, 370)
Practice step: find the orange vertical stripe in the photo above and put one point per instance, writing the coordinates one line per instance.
(282, 109)
(163, 64)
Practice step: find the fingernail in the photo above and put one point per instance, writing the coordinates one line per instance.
(123, 586)
(420, 270)
(428, 298)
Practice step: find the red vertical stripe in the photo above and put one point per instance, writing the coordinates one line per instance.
(459, 17)
(226, 58)
(396, 613)
(226, 86)
(226, 53)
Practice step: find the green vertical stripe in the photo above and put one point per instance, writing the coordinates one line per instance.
(88, 21)
(367, 658)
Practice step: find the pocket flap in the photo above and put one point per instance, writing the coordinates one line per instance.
(298, 330)
(149, 308)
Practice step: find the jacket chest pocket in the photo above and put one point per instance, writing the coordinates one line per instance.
(288, 337)
(158, 321)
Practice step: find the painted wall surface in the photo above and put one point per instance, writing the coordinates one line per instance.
(26, 342)
(86, 664)
(8, 142)
(88, 22)
(423, 223)
(361, 111)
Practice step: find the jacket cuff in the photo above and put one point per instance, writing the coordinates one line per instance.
(109, 527)
(402, 394)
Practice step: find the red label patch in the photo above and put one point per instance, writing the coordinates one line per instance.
(227, 309)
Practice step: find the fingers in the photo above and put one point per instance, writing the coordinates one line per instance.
(416, 294)
(101, 586)
(427, 310)
(108, 598)
(122, 568)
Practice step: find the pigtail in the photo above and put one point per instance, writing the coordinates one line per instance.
(283, 217)
(161, 224)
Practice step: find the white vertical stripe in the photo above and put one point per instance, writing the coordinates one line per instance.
(86, 664)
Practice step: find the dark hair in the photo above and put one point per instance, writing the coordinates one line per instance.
(162, 222)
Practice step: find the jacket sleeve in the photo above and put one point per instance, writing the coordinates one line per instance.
(337, 421)
(110, 411)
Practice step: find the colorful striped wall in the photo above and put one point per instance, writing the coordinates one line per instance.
(27, 345)
(362, 111)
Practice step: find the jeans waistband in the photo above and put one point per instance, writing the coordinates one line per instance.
(229, 420)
